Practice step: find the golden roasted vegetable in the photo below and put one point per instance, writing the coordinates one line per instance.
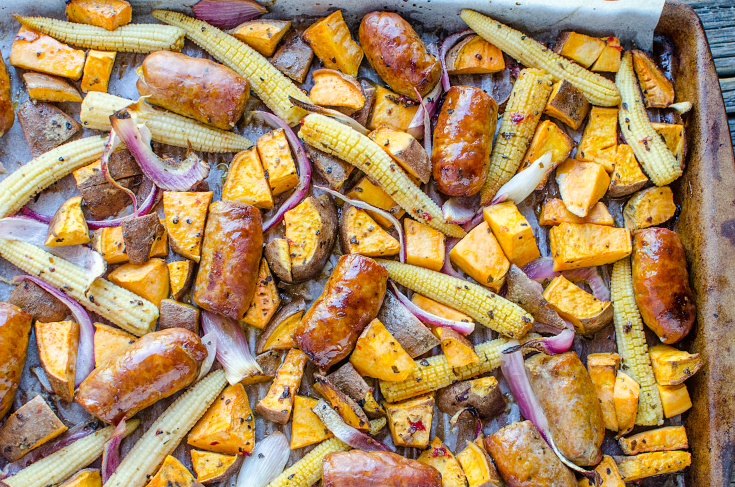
(266, 299)
(625, 395)
(513, 232)
(424, 245)
(39, 52)
(609, 60)
(109, 242)
(346, 407)
(581, 185)
(331, 41)
(108, 14)
(600, 139)
(97, 70)
(662, 439)
(306, 427)
(68, 226)
(474, 55)
(30, 426)
(482, 394)
(580, 48)
(457, 349)
(587, 245)
(627, 176)
(228, 426)
(262, 35)
(279, 334)
(277, 405)
(655, 463)
(609, 474)
(212, 467)
(373, 194)
(582, 309)
(391, 110)
(337, 90)
(648, 208)
(603, 368)
(405, 150)
(178, 315)
(548, 137)
(360, 234)
(410, 421)
(442, 459)
(57, 347)
(278, 164)
(673, 136)
(173, 473)
(149, 280)
(108, 342)
(675, 399)
(349, 381)
(185, 215)
(294, 56)
(181, 274)
(246, 182)
(378, 354)
(567, 104)
(657, 89)
(311, 230)
(439, 309)
(139, 234)
(553, 212)
(480, 256)
(43, 87)
(84, 478)
(478, 466)
(671, 366)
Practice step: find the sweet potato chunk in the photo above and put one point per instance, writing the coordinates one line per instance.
(627, 176)
(609, 474)
(333, 169)
(181, 275)
(392, 110)
(173, 474)
(600, 139)
(32, 425)
(625, 395)
(109, 242)
(102, 198)
(405, 150)
(97, 70)
(331, 41)
(649, 207)
(373, 194)
(139, 235)
(377, 354)
(109, 342)
(45, 127)
(478, 467)
(439, 309)
(149, 280)
(349, 381)
(581, 185)
(361, 116)
(424, 245)
(68, 226)
(657, 90)
(553, 212)
(362, 235)
(43, 87)
(410, 421)
(671, 366)
(185, 215)
(673, 136)
(583, 310)
(661, 439)
(675, 399)
(108, 14)
(212, 467)
(39, 52)
(279, 166)
(474, 55)
(57, 347)
(513, 232)
(279, 334)
(587, 245)
(457, 349)
(337, 90)
(262, 35)
(603, 368)
(415, 337)
(479, 255)
(609, 60)
(277, 405)
(346, 407)
(568, 104)
(442, 459)
(548, 137)
(269, 363)
(277, 254)
(579, 48)
(227, 426)
(246, 181)
(85, 478)
(294, 56)
(306, 428)
(266, 299)
(33, 299)
(655, 463)
(482, 394)
(311, 230)
(178, 315)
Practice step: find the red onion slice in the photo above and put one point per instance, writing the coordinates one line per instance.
(462, 327)
(448, 43)
(113, 141)
(353, 437)
(476, 220)
(549, 345)
(328, 112)
(227, 14)
(27, 212)
(304, 167)
(85, 349)
(427, 121)
(210, 343)
(525, 182)
(461, 210)
(433, 193)
(266, 462)
(590, 275)
(367, 206)
(233, 351)
(447, 268)
(540, 269)
(111, 451)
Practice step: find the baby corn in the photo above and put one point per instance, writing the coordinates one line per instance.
(599, 90)
(478, 302)
(166, 127)
(648, 147)
(525, 106)
(166, 432)
(40, 173)
(271, 86)
(56, 467)
(335, 138)
(632, 346)
(142, 38)
(127, 310)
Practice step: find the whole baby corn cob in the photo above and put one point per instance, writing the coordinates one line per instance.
(271, 86)
(53, 469)
(35, 176)
(632, 346)
(166, 127)
(599, 90)
(657, 160)
(141, 38)
(335, 138)
(525, 106)
(127, 310)
(476, 301)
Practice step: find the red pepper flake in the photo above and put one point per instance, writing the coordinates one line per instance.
(439, 452)
(426, 216)
(518, 117)
(414, 426)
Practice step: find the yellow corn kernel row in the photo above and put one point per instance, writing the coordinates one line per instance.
(141, 38)
(599, 90)
(333, 137)
(526, 104)
(650, 150)
(632, 347)
(271, 86)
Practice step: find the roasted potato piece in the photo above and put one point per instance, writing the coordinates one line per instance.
(333, 169)
(277, 255)
(32, 425)
(602, 368)
(109, 341)
(149, 280)
(351, 383)
(45, 126)
(655, 463)
(513, 232)
(657, 90)
(39, 52)
(675, 399)
(108, 14)
(331, 41)
(609, 474)
(527, 294)
(457, 349)
(474, 55)
(392, 110)
(43, 87)
(278, 164)
(15, 330)
(415, 338)
(33, 299)
(269, 363)
(173, 474)
(57, 348)
(212, 467)
(294, 56)
(567, 104)
(311, 230)
(398, 54)
(581, 185)
(347, 408)
(625, 396)
(110, 243)
(627, 176)
(479, 255)
(548, 137)
(262, 35)
(579, 48)
(337, 90)
(600, 138)
(306, 427)
(376, 469)
(478, 467)
(266, 299)
(442, 459)
(178, 315)
(360, 234)
(662, 439)
(424, 245)
(97, 70)
(102, 198)
(377, 354)
(405, 150)
(227, 426)
(410, 421)
(373, 194)
(246, 182)
(84, 478)
(649, 207)
(587, 245)
(181, 274)
(68, 226)
(582, 309)
(277, 404)
(609, 59)
(279, 333)
(671, 366)
(139, 234)
(482, 394)
(553, 212)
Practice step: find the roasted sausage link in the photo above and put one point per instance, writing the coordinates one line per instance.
(376, 469)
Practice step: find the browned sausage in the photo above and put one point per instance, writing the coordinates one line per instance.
(524, 459)
(398, 54)
(350, 300)
(231, 251)
(569, 400)
(463, 140)
(376, 469)
(661, 283)
(156, 366)
(197, 88)
(7, 115)
(15, 329)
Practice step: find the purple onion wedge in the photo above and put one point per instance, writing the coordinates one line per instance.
(552, 345)
(590, 275)
(353, 437)
(463, 327)
(233, 351)
(111, 451)
(227, 14)
(448, 43)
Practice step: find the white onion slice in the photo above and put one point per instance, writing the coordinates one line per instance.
(590, 275)
(210, 343)
(525, 182)
(266, 462)
(233, 351)
(339, 116)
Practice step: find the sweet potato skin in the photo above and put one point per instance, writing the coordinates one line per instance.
(7, 115)
(351, 299)
(15, 330)
(376, 469)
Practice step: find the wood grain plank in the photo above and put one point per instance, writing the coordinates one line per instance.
(728, 93)
(718, 19)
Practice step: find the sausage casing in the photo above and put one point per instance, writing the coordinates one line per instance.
(156, 366)
(197, 88)
(231, 251)
(376, 469)
(7, 114)
(398, 54)
(350, 300)
(661, 283)
(569, 400)
(15, 330)
(463, 141)
(524, 459)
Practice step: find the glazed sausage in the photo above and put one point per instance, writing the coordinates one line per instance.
(7, 115)
(398, 54)
(231, 251)
(197, 88)
(463, 141)
(376, 469)
(156, 366)
(569, 400)
(661, 283)
(15, 330)
(524, 459)
(350, 300)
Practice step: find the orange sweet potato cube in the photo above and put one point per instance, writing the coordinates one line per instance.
(603, 369)
(600, 139)
(186, 213)
(279, 166)
(424, 245)
(371, 193)
(246, 182)
(581, 185)
(57, 348)
(108, 14)
(262, 35)
(580, 48)
(675, 399)
(457, 349)
(388, 110)
(548, 137)
(108, 342)
(586, 245)
(627, 176)
(657, 90)
(553, 212)
(332, 42)
(439, 309)
(39, 52)
(474, 55)
(625, 395)
(266, 299)
(513, 232)
(228, 425)
(479, 255)
(97, 70)
(609, 60)
(568, 104)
